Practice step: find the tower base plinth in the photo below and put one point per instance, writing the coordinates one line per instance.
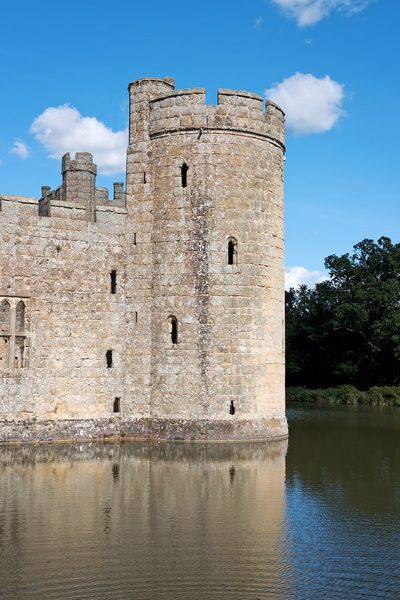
(120, 428)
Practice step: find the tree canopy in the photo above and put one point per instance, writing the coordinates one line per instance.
(347, 329)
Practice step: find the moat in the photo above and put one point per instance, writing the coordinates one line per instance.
(315, 516)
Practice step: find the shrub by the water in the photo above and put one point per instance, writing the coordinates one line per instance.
(346, 394)
(388, 396)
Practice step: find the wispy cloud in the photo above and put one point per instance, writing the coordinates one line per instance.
(309, 12)
(64, 129)
(257, 22)
(296, 276)
(20, 149)
(311, 105)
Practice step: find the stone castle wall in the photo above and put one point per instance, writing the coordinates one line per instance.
(60, 267)
(165, 304)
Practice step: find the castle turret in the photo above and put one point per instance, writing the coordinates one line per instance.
(139, 227)
(205, 186)
(79, 181)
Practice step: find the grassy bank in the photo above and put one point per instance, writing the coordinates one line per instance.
(346, 394)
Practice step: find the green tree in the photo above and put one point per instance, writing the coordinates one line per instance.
(347, 329)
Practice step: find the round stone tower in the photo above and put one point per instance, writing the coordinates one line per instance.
(206, 264)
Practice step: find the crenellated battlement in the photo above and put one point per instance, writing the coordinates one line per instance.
(186, 110)
(83, 162)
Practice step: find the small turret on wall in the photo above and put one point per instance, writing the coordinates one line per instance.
(79, 187)
(79, 182)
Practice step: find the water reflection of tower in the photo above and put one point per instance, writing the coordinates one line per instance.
(164, 521)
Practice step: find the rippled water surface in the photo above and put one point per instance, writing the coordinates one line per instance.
(315, 518)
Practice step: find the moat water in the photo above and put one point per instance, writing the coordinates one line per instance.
(317, 517)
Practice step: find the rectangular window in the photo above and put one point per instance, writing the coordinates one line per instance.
(113, 276)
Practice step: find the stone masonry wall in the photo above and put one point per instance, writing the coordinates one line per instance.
(60, 267)
(230, 316)
(163, 307)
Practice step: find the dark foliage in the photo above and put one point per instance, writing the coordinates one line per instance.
(347, 330)
(346, 394)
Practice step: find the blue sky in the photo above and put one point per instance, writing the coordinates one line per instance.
(331, 64)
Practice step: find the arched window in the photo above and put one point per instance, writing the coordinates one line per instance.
(13, 332)
(173, 329)
(20, 317)
(184, 173)
(117, 405)
(5, 316)
(232, 251)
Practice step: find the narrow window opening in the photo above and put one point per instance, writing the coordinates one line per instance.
(134, 239)
(136, 317)
(174, 332)
(144, 177)
(117, 405)
(184, 172)
(232, 408)
(4, 347)
(173, 329)
(232, 251)
(109, 359)
(113, 276)
(19, 352)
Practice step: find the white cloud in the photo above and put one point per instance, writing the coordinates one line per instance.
(311, 105)
(20, 149)
(63, 129)
(258, 22)
(309, 12)
(296, 276)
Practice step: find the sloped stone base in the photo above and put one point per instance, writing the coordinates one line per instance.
(142, 429)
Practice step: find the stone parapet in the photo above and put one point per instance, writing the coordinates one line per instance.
(186, 110)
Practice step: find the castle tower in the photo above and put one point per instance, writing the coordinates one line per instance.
(79, 181)
(205, 261)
